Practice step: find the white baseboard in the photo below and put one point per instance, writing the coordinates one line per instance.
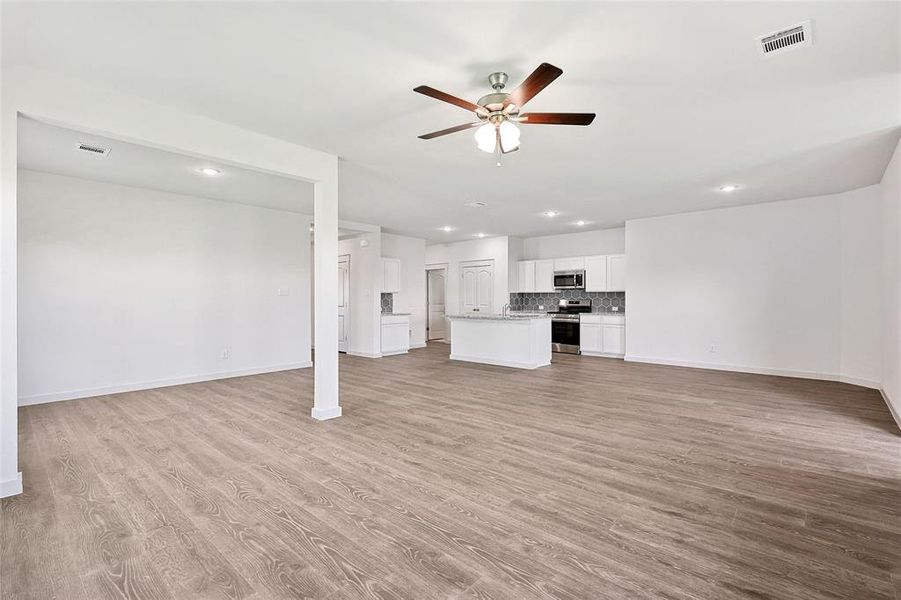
(601, 354)
(365, 354)
(11, 487)
(422, 345)
(868, 383)
(891, 407)
(394, 352)
(158, 383)
(499, 363)
(735, 368)
(325, 414)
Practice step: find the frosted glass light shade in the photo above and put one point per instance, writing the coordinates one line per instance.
(486, 137)
(509, 136)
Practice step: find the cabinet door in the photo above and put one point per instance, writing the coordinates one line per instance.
(390, 275)
(595, 273)
(544, 275)
(590, 339)
(576, 263)
(614, 339)
(616, 273)
(395, 337)
(526, 276)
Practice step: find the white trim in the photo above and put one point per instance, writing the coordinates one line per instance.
(11, 487)
(601, 354)
(867, 383)
(394, 352)
(422, 345)
(499, 363)
(891, 407)
(324, 414)
(735, 368)
(158, 383)
(364, 354)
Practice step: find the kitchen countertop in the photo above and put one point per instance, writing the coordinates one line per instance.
(508, 317)
(394, 314)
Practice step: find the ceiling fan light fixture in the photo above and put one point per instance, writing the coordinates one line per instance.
(486, 138)
(509, 136)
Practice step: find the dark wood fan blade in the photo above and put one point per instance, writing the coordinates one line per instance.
(435, 134)
(444, 97)
(556, 118)
(534, 83)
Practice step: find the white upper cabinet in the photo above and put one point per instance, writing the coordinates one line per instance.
(616, 273)
(526, 276)
(544, 275)
(576, 263)
(390, 275)
(595, 273)
(603, 273)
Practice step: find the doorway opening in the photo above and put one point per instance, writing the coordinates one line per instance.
(343, 302)
(436, 292)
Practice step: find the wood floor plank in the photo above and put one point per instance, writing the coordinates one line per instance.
(452, 480)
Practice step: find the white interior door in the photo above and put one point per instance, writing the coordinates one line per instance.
(437, 282)
(476, 287)
(343, 302)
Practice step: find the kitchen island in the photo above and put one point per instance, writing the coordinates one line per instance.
(522, 341)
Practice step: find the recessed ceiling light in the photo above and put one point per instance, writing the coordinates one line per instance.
(480, 235)
(551, 213)
(729, 187)
(580, 223)
(209, 171)
(446, 228)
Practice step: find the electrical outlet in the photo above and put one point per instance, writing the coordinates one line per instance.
(284, 292)
(224, 354)
(711, 348)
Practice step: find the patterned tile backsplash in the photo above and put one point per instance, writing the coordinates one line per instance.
(387, 303)
(600, 301)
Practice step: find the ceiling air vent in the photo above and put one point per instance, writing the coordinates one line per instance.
(476, 204)
(94, 149)
(796, 36)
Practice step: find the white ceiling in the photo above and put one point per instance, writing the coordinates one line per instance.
(685, 102)
(54, 149)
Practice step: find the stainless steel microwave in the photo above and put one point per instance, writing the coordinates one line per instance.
(569, 280)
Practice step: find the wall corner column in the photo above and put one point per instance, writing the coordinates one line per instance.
(325, 334)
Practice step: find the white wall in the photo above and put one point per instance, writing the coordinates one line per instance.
(583, 243)
(412, 296)
(891, 283)
(76, 105)
(365, 280)
(495, 248)
(126, 288)
(861, 269)
(763, 283)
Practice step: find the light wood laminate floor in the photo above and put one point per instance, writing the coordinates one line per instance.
(592, 478)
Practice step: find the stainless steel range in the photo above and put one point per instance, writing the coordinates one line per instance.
(565, 325)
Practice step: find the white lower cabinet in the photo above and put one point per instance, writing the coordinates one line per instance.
(602, 335)
(395, 334)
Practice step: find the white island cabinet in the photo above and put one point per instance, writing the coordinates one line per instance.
(523, 342)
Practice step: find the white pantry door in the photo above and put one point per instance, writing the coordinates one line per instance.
(477, 287)
(437, 279)
(343, 301)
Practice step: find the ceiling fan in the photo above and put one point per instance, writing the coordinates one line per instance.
(498, 112)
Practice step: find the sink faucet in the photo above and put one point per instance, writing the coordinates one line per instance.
(506, 309)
